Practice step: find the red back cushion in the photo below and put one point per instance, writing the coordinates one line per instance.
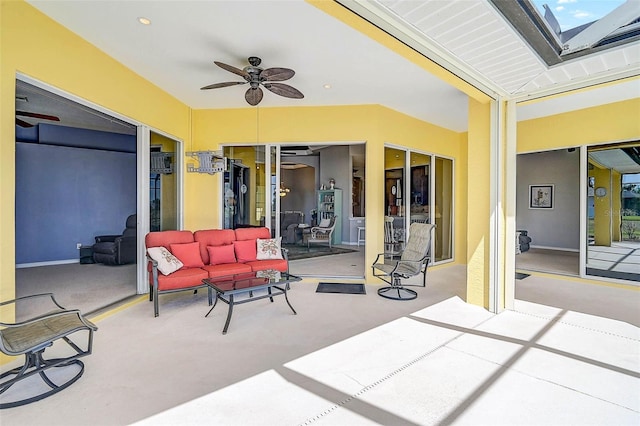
(213, 237)
(252, 233)
(188, 254)
(246, 251)
(166, 238)
(221, 254)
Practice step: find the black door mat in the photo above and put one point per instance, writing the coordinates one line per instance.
(521, 276)
(344, 288)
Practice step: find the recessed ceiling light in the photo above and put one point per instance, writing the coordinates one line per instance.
(327, 86)
(144, 21)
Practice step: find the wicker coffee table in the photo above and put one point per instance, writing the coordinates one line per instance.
(255, 285)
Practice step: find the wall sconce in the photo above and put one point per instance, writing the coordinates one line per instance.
(161, 163)
(208, 162)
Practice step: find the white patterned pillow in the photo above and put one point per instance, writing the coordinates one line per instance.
(269, 249)
(167, 263)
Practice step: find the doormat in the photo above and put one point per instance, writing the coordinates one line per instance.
(521, 276)
(344, 288)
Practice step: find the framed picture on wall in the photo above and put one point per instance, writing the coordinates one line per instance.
(541, 196)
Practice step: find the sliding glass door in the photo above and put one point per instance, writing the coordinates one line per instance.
(419, 188)
(613, 211)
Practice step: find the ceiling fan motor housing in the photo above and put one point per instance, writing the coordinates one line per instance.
(256, 76)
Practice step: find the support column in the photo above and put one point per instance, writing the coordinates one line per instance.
(478, 202)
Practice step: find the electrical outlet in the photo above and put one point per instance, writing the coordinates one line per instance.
(78, 245)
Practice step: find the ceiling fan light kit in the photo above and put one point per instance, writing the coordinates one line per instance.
(256, 76)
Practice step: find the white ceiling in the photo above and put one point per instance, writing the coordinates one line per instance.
(176, 53)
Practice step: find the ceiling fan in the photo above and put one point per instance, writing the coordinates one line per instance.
(256, 76)
(23, 123)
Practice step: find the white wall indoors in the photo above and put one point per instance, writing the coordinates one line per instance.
(559, 227)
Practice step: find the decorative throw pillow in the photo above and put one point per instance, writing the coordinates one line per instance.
(245, 250)
(221, 254)
(167, 263)
(269, 249)
(188, 253)
(324, 223)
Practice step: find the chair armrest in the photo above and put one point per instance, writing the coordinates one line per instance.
(57, 311)
(52, 306)
(316, 229)
(285, 253)
(106, 238)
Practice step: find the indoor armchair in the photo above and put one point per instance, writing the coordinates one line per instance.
(117, 249)
(323, 233)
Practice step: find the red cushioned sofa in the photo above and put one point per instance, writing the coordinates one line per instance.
(207, 253)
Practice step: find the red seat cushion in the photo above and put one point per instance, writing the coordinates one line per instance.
(227, 269)
(184, 278)
(262, 265)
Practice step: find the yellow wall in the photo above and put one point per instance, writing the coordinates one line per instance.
(616, 206)
(342, 124)
(606, 123)
(602, 208)
(36, 46)
(478, 198)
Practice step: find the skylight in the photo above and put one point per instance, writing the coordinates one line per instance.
(575, 13)
(559, 30)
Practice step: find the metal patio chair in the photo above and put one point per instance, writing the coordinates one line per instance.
(414, 260)
(49, 323)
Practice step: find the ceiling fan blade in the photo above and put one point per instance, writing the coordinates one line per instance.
(284, 90)
(232, 69)
(36, 115)
(277, 74)
(219, 85)
(254, 96)
(23, 123)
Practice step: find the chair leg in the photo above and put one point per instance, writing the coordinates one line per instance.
(396, 292)
(35, 364)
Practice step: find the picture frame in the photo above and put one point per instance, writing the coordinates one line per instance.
(541, 196)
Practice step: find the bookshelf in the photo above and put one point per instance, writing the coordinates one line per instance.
(329, 205)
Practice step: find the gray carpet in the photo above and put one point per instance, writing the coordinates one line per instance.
(75, 286)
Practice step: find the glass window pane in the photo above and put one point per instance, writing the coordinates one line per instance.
(443, 209)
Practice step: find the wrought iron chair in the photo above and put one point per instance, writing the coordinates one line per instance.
(48, 324)
(413, 261)
(322, 234)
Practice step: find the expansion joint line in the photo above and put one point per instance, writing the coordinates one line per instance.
(608, 333)
(384, 378)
